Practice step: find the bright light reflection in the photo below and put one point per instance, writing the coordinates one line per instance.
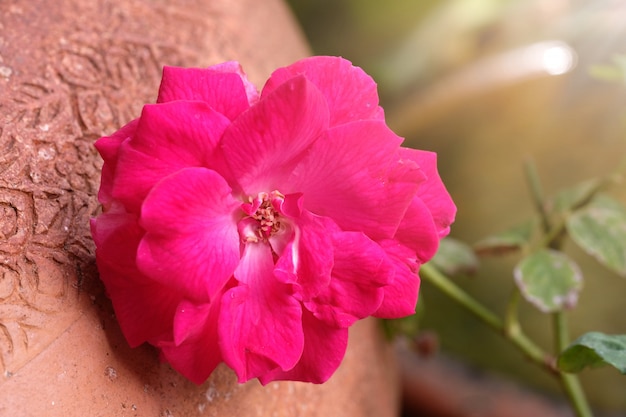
(558, 59)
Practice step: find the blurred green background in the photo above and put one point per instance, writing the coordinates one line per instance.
(487, 84)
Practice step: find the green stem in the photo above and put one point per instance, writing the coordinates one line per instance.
(511, 321)
(512, 333)
(536, 192)
(569, 382)
(561, 333)
(553, 239)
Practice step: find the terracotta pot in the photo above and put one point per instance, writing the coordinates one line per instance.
(70, 73)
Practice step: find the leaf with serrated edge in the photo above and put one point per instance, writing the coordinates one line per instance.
(600, 230)
(594, 349)
(549, 280)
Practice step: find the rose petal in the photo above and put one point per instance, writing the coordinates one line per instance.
(264, 143)
(194, 352)
(108, 147)
(432, 191)
(349, 175)
(186, 132)
(418, 231)
(351, 93)
(191, 241)
(260, 324)
(222, 88)
(324, 348)
(360, 271)
(291, 208)
(235, 68)
(308, 260)
(168, 137)
(144, 308)
(400, 297)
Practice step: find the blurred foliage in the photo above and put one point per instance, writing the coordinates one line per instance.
(549, 280)
(595, 349)
(437, 66)
(360, 29)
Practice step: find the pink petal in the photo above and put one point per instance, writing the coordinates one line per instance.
(169, 137)
(191, 240)
(260, 324)
(235, 68)
(351, 93)
(418, 231)
(194, 352)
(324, 349)
(291, 207)
(265, 142)
(349, 175)
(433, 192)
(144, 308)
(355, 291)
(222, 88)
(183, 131)
(308, 260)
(137, 174)
(400, 297)
(108, 147)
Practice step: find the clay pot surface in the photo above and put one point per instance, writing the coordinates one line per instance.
(70, 73)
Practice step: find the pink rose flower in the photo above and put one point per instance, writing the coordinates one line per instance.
(255, 229)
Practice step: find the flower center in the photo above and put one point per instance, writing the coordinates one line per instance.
(264, 218)
(268, 218)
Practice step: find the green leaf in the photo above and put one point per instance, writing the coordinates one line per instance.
(594, 349)
(454, 257)
(507, 241)
(600, 230)
(549, 280)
